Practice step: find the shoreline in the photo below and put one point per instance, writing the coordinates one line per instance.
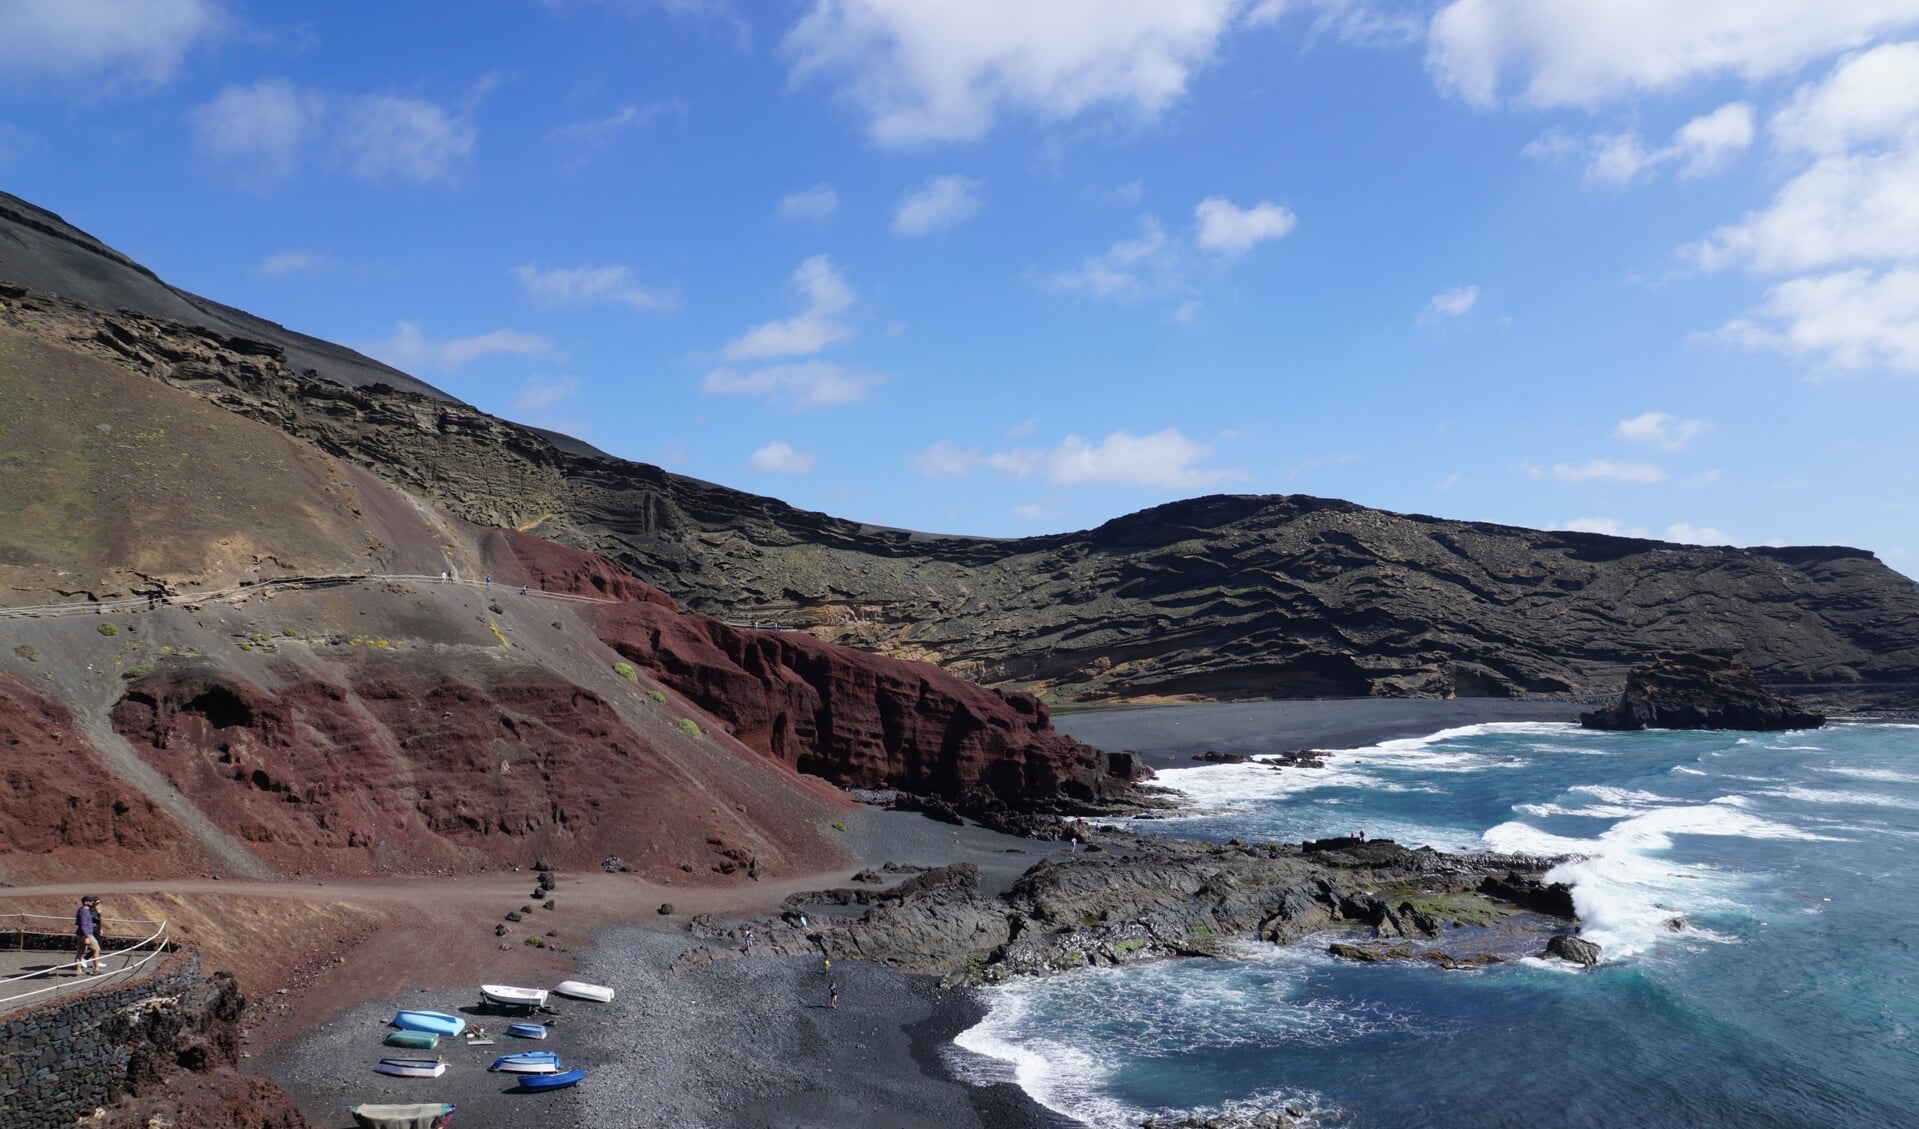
(743, 1042)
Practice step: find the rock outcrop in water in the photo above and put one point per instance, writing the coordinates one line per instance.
(1222, 597)
(1142, 897)
(1699, 690)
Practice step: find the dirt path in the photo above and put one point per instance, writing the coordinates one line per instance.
(304, 950)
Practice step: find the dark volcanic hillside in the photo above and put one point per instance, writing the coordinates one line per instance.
(1218, 597)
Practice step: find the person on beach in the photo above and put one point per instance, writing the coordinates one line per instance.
(832, 993)
(746, 938)
(86, 936)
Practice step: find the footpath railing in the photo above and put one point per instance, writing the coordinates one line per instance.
(131, 959)
(243, 591)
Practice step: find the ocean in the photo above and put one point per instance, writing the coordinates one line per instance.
(1787, 996)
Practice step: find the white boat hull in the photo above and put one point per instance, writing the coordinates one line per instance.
(410, 1068)
(529, 1068)
(508, 996)
(581, 990)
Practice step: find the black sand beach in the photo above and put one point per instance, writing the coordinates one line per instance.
(751, 1042)
(1170, 736)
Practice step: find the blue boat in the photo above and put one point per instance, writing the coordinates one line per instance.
(528, 1062)
(526, 1030)
(437, 1022)
(552, 1081)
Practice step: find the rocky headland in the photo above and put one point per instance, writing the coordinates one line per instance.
(1699, 690)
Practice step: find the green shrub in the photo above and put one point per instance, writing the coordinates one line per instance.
(108, 630)
(536, 941)
(290, 633)
(626, 671)
(838, 826)
(137, 670)
(26, 651)
(690, 727)
(656, 695)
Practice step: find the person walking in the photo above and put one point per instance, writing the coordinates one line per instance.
(86, 936)
(832, 993)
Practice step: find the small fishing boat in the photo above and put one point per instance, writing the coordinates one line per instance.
(438, 1022)
(426, 1115)
(505, 995)
(528, 1062)
(526, 1030)
(411, 1067)
(558, 1081)
(413, 1040)
(581, 990)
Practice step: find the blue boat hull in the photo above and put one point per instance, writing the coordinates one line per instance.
(527, 1031)
(436, 1022)
(551, 1081)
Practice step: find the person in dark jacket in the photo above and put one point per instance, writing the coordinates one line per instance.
(86, 936)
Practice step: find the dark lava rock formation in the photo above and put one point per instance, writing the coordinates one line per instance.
(1699, 690)
(1222, 597)
(1146, 897)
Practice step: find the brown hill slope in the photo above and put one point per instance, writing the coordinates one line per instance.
(1219, 597)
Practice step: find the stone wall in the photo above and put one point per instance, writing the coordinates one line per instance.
(61, 1062)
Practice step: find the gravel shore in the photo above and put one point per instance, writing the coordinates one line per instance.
(741, 1043)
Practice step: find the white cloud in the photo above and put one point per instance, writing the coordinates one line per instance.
(814, 205)
(1854, 207)
(1688, 534)
(1448, 482)
(1585, 52)
(1850, 319)
(779, 457)
(938, 202)
(387, 138)
(1129, 270)
(410, 349)
(1453, 303)
(1872, 96)
(1028, 512)
(1601, 470)
(827, 295)
(142, 40)
(595, 138)
(944, 70)
(1163, 459)
(1704, 144)
(1230, 230)
(807, 384)
(1701, 146)
(1660, 431)
(541, 394)
(1023, 428)
(1611, 527)
(590, 285)
(258, 129)
(294, 262)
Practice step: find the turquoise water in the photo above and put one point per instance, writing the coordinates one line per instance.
(1789, 998)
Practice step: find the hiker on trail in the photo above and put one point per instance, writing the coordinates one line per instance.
(86, 936)
(443, 576)
(832, 993)
(746, 938)
(489, 583)
(522, 589)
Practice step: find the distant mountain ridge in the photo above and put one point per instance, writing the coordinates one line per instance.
(1221, 597)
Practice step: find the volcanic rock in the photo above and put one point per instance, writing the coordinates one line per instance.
(1699, 690)
(1573, 949)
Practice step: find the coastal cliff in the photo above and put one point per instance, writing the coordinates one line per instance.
(1699, 690)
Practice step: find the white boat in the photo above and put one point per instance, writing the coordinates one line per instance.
(411, 1067)
(581, 990)
(528, 1062)
(508, 996)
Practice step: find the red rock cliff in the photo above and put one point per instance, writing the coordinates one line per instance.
(856, 719)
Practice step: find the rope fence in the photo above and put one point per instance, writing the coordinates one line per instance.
(131, 958)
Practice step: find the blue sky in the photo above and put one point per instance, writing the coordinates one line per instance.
(1020, 266)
